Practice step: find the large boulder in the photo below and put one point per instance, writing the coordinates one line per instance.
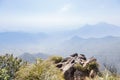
(78, 67)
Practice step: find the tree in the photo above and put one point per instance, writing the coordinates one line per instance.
(9, 66)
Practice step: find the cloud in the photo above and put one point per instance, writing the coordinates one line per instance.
(49, 21)
(38, 22)
(65, 8)
(43, 20)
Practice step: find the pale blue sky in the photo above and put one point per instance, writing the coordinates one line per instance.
(28, 15)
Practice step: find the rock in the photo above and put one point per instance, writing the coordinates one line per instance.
(65, 59)
(79, 75)
(77, 67)
(74, 55)
(89, 61)
(82, 56)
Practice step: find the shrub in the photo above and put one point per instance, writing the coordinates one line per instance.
(4, 74)
(9, 66)
(56, 59)
(89, 67)
(111, 68)
(44, 70)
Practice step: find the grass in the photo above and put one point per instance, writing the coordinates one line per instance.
(106, 75)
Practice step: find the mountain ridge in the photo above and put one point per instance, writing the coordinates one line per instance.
(98, 30)
(32, 57)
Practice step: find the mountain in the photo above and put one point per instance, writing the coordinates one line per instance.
(106, 49)
(41, 55)
(97, 30)
(32, 57)
(89, 39)
(107, 45)
(27, 57)
(20, 37)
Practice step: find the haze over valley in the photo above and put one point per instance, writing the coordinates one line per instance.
(91, 39)
(41, 28)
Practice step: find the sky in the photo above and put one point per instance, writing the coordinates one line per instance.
(45, 15)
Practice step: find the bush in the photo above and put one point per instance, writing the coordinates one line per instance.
(89, 67)
(111, 68)
(44, 70)
(4, 74)
(56, 59)
(9, 66)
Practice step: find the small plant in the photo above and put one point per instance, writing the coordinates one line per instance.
(79, 67)
(92, 65)
(89, 67)
(56, 59)
(111, 68)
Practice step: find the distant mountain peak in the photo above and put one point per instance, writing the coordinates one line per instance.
(98, 30)
(32, 57)
(77, 38)
(102, 23)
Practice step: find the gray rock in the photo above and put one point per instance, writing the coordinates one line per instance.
(67, 66)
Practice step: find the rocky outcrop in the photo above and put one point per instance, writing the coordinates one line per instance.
(78, 67)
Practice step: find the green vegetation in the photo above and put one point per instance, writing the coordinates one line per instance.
(4, 74)
(43, 70)
(89, 67)
(56, 59)
(13, 68)
(9, 66)
(106, 75)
